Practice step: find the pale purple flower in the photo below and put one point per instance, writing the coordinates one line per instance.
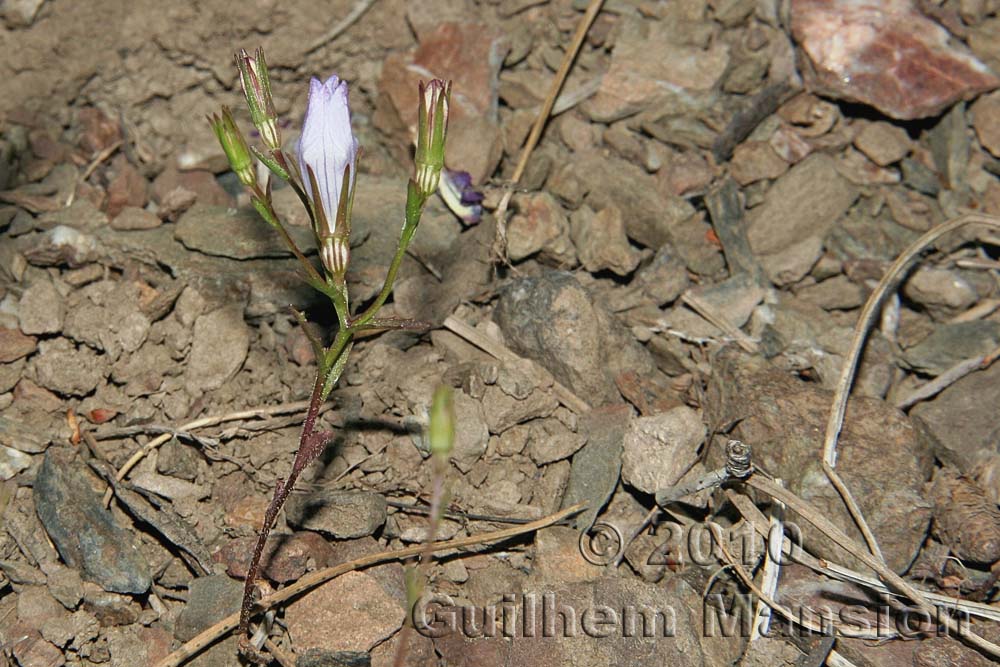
(328, 146)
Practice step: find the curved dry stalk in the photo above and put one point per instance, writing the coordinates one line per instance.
(892, 580)
(830, 569)
(210, 635)
(835, 422)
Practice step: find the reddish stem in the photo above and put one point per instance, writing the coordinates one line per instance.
(308, 450)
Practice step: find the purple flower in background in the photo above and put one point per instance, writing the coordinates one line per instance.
(459, 195)
(328, 147)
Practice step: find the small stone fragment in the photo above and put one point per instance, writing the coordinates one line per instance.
(132, 218)
(343, 514)
(540, 225)
(648, 64)
(787, 242)
(986, 121)
(14, 345)
(210, 599)
(936, 288)
(471, 432)
(237, 234)
(659, 449)
(550, 441)
(951, 343)
(754, 161)
(69, 370)
(883, 143)
(12, 462)
(601, 241)
(41, 309)
(837, 293)
(285, 557)
(219, 347)
(355, 604)
(535, 315)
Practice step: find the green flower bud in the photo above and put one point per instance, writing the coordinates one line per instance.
(432, 128)
(235, 146)
(256, 84)
(441, 431)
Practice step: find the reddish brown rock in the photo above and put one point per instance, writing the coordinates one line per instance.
(354, 604)
(14, 345)
(887, 54)
(470, 55)
(127, 188)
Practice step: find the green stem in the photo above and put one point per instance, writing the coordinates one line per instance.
(276, 223)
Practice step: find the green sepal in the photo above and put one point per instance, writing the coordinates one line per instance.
(271, 164)
(265, 212)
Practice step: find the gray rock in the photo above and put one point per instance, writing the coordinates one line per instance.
(67, 369)
(210, 599)
(665, 278)
(550, 440)
(649, 213)
(596, 467)
(601, 241)
(65, 585)
(12, 462)
(85, 534)
(659, 449)
(837, 293)
(219, 348)
(950, 146)
(553, 320)
(788, 242)
(952, 343)
(962, 419)
(506, 411)
(783, 419)
(132, 218)
(939, 290)
(343, 514)
(471, 433)
(237, 234)
(41, 309)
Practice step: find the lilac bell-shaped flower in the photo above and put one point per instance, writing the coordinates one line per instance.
(327, 159)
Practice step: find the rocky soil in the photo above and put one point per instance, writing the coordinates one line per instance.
(718, 191)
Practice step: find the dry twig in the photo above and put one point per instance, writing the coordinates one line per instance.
(203, 422)
(593, 9)
(313, 579)
(892, 580)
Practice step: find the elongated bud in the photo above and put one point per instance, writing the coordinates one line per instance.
(432, 129)
(441, 431)
(256, 84)
(235, 146)
(335, 253)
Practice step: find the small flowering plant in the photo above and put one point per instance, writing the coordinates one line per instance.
(323, 175)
